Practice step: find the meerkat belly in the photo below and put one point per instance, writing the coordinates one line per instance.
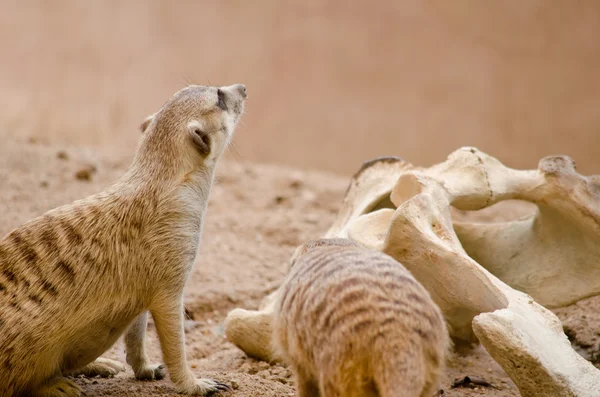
(93, 339)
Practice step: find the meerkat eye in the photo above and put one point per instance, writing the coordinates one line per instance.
(221, 100)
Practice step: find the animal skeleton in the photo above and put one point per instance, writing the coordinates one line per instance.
(491, 280)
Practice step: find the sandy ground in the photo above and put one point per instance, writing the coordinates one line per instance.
(257, 215)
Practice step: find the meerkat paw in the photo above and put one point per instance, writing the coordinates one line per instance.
(151, 372)
(102, 367)
(206, 387)
(59, 387)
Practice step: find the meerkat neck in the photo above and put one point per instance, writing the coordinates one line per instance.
(160, 174)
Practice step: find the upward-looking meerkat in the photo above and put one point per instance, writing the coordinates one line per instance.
(74, 279)
(353, 322)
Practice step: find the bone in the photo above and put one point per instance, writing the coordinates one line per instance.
(552, 255)
(525, 338)
(251, 331)
(419, 235)
(369, 190)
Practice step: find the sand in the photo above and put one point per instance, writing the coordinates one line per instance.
(257, 215)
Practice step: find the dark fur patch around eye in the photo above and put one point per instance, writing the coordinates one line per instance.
(221, 103)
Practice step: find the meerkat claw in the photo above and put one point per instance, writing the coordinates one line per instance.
(209, 387)
(223, 386)
(219, 387)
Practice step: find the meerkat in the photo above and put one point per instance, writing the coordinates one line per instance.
(353, 322)
(76, 278)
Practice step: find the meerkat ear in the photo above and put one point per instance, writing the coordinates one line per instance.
(146, 122)
(201, 139)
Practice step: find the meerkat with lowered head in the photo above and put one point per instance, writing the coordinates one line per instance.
(76, 278)
(353, 322)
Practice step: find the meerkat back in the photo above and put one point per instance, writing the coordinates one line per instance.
(354, 322)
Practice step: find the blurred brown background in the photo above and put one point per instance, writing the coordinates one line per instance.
(331, 83)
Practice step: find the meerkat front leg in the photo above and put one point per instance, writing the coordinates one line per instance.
(168, 317)
(135, 346)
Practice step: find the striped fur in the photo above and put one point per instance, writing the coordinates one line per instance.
(74, 279)
(354, 322)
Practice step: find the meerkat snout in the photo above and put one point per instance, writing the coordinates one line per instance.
(231, 99)
(236, 89)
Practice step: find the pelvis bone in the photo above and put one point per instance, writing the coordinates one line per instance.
(551, 256)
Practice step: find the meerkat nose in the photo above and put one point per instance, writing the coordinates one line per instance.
(241, 88)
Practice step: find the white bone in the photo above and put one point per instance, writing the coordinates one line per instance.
(521, 335)
(369, 190)
(250, 330)
(525, 338)
(552, 255)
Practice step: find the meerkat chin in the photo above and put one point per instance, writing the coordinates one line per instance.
(76, 278)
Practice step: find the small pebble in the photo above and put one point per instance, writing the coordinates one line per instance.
(296, 180)
(85, 174)
(62, 155)
(263, 365)
(296, 184)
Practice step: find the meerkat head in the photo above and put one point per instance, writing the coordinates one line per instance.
(194, 127)
(323, 242)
